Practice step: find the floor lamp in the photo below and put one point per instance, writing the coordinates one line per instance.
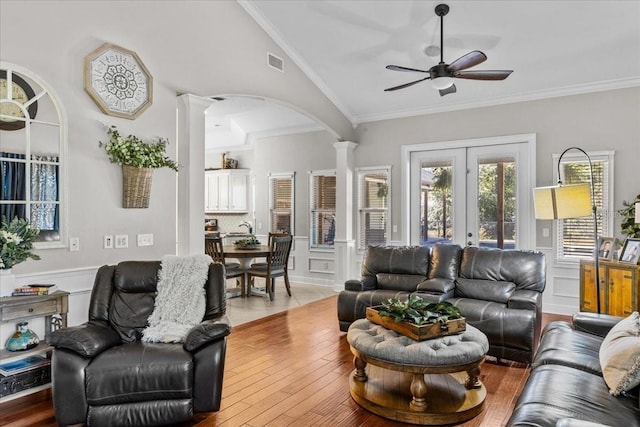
(570, 201)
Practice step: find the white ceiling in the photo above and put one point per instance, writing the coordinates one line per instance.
(235, 122)
(555, 48)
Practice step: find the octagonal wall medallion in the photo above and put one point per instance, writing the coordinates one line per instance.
(117, 81)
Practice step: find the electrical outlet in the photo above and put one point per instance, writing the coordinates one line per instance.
(74, 244)
(108, 241)
(122, 241)
(145, 239)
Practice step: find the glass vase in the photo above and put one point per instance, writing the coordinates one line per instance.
(22, 339)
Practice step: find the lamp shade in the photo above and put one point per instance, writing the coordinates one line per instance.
(637, 212)
(562, 201)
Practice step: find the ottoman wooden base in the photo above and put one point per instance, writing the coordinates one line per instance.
(388, 393)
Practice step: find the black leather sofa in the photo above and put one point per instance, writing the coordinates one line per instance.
(497, 291)
(566, 386)
(103, 374)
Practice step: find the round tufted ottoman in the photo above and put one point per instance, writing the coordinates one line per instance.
(395, 385)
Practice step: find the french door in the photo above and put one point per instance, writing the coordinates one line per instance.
(477, 195)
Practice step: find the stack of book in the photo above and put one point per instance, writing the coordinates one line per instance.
(23, 365)
(30, 290)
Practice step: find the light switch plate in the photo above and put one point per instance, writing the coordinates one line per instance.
(145, 239)
(122, 241)
(108, 241)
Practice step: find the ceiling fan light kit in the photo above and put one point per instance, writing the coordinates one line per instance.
(442, 82)
(442, 74)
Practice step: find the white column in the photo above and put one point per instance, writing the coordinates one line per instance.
(344, 243)
(190, 197)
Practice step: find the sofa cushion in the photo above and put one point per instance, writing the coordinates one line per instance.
(399, 282)
(553, 392)
(133, 297)
(487, 290)
(139, 372)
(444, 261)
(526, 269)
(620, 355)
(400, 260)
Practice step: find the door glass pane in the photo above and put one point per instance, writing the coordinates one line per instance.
(497, 203)
(436, 191)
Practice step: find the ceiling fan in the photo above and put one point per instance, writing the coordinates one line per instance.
(442, 75)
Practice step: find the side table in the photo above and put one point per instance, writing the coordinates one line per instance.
(15, 309)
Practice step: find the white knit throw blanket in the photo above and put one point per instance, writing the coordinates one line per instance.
(180, 303)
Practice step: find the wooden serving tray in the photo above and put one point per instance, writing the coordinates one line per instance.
(418, 333)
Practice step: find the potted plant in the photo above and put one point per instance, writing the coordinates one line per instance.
(628, 225)
(16, 245)
(138, 159)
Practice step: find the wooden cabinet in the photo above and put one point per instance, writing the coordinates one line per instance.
(619, 283)
(226, 190)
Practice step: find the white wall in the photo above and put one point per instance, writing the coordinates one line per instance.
(189, 47)
(595, 122)
(200, 47)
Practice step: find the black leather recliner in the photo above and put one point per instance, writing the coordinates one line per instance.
(103, 374)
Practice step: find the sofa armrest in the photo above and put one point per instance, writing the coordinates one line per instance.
(523, 299)
(88, 340)
(353, 285)
(594, 323)
(206, 332)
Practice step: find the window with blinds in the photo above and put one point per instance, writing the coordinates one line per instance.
(322, 196)
(576, 235)
(281, 203)
(373, 207)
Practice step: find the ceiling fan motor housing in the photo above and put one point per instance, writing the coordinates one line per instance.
(440, 70)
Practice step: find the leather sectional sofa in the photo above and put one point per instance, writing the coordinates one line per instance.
(497, 291)
(566, 387)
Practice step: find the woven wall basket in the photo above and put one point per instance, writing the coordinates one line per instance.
(136, 186)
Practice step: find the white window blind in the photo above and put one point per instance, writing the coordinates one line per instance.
(323, 209)
(281, 203)
(373, 207)
(576, 235)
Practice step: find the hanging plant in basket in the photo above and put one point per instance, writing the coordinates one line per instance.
(138, 159)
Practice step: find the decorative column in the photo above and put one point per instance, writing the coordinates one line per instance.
(344, 243)
(190, 231)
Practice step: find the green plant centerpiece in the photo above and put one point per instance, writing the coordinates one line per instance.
(418, 311)
(249, 242)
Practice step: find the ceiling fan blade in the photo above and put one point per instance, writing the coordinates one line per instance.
(469, 60)
(405, 85)
(450, 89)
(399, 68)
(483, 74)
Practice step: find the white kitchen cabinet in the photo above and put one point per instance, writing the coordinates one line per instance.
(226, 190)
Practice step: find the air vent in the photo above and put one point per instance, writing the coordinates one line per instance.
(275, 62)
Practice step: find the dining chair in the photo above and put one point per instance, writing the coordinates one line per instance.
(214, 248)
(276, 265)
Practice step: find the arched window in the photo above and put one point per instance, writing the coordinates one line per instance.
(32, 154)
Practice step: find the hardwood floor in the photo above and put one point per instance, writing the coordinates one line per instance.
(292, 369)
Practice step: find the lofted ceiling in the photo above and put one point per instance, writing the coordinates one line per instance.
(554, 48)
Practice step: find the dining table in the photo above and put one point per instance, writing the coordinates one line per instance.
(245, 256)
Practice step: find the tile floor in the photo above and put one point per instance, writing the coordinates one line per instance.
(242, 310)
